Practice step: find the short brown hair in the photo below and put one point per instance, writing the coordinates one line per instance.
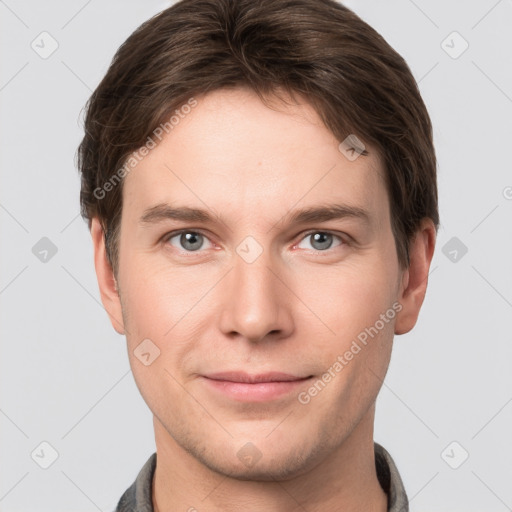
(320, 49)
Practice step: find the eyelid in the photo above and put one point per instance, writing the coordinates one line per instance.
(339, 234)
(172, 234)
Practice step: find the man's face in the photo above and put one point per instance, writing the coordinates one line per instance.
(252, 291)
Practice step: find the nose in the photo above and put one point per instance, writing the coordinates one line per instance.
(256, 301)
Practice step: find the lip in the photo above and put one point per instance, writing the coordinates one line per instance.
(261, 387)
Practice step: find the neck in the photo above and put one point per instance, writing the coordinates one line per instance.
(345, 480)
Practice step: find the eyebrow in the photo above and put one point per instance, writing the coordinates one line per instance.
(320, 213)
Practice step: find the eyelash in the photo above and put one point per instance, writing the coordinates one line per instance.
(344, 242)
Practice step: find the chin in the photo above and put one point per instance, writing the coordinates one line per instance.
(260, 464)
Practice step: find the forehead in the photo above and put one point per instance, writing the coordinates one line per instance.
(232, 152)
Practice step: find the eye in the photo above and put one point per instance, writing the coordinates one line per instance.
(193, 241)
(190, 241)
(321, 240)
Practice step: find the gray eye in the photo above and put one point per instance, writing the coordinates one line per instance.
(189, 241)
(320, 240)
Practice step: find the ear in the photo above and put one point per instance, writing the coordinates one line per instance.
(415, 277)
(106, 280)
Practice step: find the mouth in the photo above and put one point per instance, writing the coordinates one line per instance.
(244, 387)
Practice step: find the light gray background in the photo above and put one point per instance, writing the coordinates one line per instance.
(65, 376)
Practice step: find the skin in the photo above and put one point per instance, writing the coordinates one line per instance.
(295, 309)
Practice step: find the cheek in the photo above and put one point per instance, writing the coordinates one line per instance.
(170, 308)
(356, 303)
(351, 298)
(156, 296)
(356, 358)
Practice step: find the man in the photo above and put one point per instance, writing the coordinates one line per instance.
(260, 184)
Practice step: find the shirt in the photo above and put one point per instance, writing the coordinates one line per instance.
(138, 497)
